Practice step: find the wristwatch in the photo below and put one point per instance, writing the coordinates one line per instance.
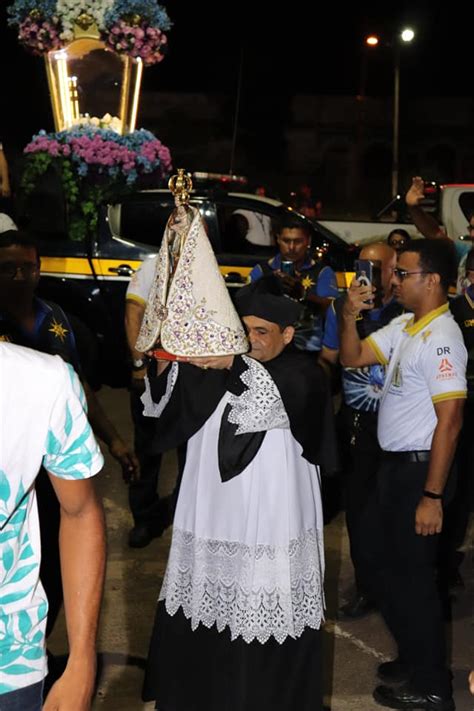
(138, 363)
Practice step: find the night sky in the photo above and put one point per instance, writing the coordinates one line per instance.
(292, 50)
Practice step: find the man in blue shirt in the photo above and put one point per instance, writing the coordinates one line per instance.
(362, 389)
(312, 283)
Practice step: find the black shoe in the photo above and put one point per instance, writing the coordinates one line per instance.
(405, 698)
(140, 536)
(393, 672)
(356, 608)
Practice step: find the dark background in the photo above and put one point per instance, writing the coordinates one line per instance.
(285, 49)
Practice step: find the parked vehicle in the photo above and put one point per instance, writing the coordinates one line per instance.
(88, 278)
(451, 204)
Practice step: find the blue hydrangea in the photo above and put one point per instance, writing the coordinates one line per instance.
(155, 14)
(19, 10)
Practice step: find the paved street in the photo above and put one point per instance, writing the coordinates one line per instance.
(352, 649)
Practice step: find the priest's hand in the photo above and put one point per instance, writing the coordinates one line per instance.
(215, 362)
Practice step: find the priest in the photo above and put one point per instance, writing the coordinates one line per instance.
(238, 621)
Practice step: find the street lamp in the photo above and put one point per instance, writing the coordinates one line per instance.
(406, 36)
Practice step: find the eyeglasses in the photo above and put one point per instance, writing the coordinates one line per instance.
(9, 270)
(470, 228)
(393, 242)
(403, 273)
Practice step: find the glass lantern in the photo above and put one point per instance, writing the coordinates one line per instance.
(91, 84)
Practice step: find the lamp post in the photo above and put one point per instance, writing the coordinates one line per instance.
(406, 36)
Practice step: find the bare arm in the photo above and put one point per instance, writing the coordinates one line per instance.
(4, 176)
(105, 430)
(423, 221)
(82, 548)
(355, 353)
(134, 313)
(328, 360)
(429, 514)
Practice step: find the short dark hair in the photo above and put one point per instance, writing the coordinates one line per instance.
(19, 238)
(403, 233)
(289, 222)
(437, 256)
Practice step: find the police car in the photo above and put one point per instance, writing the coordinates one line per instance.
(88, 278)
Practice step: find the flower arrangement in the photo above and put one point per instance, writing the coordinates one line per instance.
(95, 165)
(132, 27)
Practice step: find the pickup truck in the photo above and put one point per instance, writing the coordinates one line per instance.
(451, 204)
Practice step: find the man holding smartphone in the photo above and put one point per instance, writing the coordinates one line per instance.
(420, 418)
(312, 283)
(362, 390)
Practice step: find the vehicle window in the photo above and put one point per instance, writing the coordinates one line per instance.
(466, 203)
(144, 221)
(43, 212)
(245, 231)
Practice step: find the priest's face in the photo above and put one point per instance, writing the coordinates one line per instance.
(267, 339)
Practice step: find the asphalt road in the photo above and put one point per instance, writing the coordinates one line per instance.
(352, 650)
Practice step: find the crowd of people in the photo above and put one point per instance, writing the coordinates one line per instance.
(241, 607)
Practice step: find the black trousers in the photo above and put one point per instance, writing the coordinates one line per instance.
(143, 497)
(457, 512)
(360, 428)
(143, 494)
(401, 568)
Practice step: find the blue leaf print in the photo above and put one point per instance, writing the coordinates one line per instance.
(42, 611)
(27, 552)
(7, 658)
(7, 535)
(68, 423)
(7, 557)
(14, 597)
(17, 669)
(22, 573)
(19, 516)
(4, 486)
(24, 622)
(37, 637)
(34, 653)
(5, 688)
(20, 494)
(53, 445)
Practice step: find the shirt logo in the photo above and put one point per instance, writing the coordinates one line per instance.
(445, 366)
(446, 370)
(59, 330)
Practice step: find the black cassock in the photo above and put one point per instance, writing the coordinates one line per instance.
(238, 621)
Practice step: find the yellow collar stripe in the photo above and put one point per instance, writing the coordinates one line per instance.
(413, 328)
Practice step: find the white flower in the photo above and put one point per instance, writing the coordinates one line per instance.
(94, 121)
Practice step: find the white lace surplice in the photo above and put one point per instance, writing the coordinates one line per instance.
(248, 553)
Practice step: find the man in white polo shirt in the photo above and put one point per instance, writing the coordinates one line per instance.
(420, 418)
(43, 423)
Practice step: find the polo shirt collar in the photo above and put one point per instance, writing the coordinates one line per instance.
(413, 328)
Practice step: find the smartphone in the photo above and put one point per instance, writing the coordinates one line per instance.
(369, 273)
(288, 267)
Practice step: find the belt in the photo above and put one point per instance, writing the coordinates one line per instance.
(422, 455)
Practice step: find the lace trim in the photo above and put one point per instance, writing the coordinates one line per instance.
(155, 409)
(257, 592)
(260, 407)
